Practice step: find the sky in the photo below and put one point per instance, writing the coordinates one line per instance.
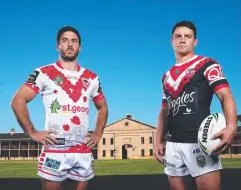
(126, 42)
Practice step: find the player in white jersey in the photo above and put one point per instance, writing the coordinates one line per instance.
(188, 88)
(66, 89)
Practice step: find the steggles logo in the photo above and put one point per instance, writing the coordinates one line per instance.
(175, 104)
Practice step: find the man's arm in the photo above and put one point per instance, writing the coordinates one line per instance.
(19, 106)
(161, 125)
(102, 115)
(230, 112)
(160, 131)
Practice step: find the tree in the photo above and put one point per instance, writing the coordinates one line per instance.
(239, 120)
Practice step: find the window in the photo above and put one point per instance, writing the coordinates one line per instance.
(111, 153)
(150, 140)
(151, 152)
(111, 141)
(142, 152)
(142, 140)
(103, 141)
(104, 153)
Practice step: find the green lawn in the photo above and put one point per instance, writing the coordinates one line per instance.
(28, 169)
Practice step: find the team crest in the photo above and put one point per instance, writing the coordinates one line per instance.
(58, 80)
(190, 72)
(201, 161)
(86, 82)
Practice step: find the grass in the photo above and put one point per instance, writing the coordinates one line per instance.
(28, 169)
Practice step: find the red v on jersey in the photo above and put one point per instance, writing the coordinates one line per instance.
(175, 88)
(73, 91)
(177, 70)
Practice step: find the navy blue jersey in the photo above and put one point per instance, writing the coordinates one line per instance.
(187, 94)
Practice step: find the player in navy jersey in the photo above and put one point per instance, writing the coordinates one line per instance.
(188, 89)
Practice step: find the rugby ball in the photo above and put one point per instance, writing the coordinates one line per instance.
(211, 125)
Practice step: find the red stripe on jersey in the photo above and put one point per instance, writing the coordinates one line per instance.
(42, 155)
(74, 149)
(164, 105)
(40, 163)
(41, 159)
(184, 80)
(32, 86)
(182, 68)
(220, 87)
(98, 97)
(66, 85)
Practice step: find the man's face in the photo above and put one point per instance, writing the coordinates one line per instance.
(68, 46)
(183, 41)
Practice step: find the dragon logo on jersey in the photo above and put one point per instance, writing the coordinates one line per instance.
(55, 106)
(58, 80)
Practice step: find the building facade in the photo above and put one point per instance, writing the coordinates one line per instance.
(123, 139)
(127, 139)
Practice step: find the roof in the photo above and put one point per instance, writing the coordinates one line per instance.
(14, 137)
(131, 120)
(17, 137)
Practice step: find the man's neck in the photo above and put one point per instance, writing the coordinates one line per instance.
(180, 58)
(69, 65)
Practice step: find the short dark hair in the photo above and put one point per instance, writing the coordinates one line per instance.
(66, 29)
(187, 24)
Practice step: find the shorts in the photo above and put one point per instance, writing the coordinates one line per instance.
(76, 163)
(187, 158)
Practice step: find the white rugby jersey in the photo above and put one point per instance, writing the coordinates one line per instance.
(187, 94)
(66, 95)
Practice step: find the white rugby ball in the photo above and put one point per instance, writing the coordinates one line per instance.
(211, 125)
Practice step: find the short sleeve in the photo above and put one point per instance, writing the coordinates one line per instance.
(96, 92)
(35, 81)
(214, 76)
(164, 98)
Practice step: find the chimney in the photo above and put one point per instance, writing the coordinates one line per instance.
(12, 131)
(129, 116)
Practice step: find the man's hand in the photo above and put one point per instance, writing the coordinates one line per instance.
(92, 139)
(44, 137)
(226, 135)
(159, 153)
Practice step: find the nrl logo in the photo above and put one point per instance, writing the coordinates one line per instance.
(58, 80)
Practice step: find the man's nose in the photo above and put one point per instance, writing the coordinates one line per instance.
(70, 43)
(183, 39)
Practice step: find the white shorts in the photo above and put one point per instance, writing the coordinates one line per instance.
(76, 163)
(187, 158)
